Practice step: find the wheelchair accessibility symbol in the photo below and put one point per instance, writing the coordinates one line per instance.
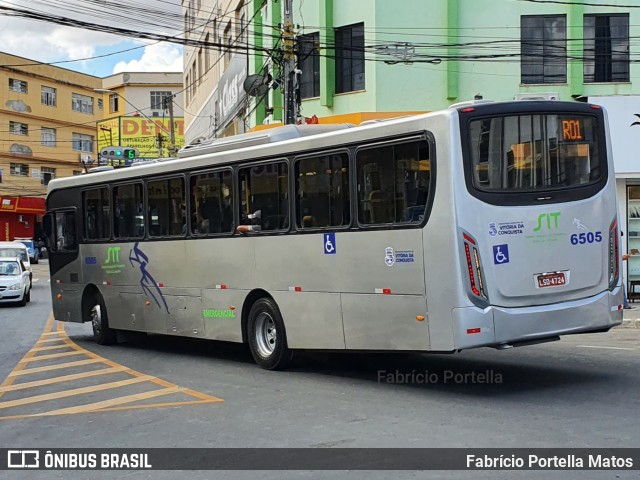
(329, 243)
(500, 254)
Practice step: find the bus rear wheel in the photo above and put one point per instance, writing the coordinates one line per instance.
(267, 336)
(102, 333)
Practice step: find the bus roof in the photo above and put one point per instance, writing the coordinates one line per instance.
(284, 141)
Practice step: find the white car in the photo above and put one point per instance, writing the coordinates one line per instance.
(17, 249)
(15, 284)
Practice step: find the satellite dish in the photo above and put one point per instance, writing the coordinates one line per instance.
(256, 85)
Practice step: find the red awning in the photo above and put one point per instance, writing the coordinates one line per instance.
(33, 205)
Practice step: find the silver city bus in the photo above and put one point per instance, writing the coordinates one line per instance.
(486, 224)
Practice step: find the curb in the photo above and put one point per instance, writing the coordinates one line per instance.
(631, 323)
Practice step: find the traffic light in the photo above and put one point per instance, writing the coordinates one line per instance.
(119, 153)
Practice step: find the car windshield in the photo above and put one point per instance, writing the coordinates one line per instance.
(9, 268)
(14, 252)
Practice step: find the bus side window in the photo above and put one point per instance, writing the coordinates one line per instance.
(322, 186)
(264, 197)
(393, 183)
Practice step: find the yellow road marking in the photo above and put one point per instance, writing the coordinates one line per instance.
(58, 366)
(58, 334)
(49, 340)
(47, 357)
(73, 392)
(50, 347)
(50, 333)
(10, 378)
(158, 405)
(63, 378)
(114, 401)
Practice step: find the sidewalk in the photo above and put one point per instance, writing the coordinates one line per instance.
(631, 318)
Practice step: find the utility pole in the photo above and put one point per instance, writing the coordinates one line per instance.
(290, 77)
(160, 139)
(172, 128)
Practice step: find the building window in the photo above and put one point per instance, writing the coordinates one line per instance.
(100, 104)
(309, 62)
(207, 54)
(606, 48)
(188, 87)
(113, 103)
(77, 172)
(48, 96)
(19, 169)
(18, 128)
(228, 41)
(81, 103)
(48, 137)
(543, 46)
(240, 24)
(200, 66)
(46, 175)
(157, 100)
(194, 79)
(81, 142)
(350, 58)
(19, 86)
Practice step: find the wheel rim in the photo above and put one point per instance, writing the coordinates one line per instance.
(265, 334)
(96, 319)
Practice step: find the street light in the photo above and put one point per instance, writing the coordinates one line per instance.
(172, 134)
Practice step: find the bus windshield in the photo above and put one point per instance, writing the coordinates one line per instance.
(534, 152)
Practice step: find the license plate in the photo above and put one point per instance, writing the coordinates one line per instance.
(555, 279)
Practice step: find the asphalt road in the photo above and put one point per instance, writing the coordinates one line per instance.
(583, 391)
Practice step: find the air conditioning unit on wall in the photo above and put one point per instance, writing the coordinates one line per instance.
(86, 158)
(552, 96)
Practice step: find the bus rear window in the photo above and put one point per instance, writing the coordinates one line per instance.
(534, 152)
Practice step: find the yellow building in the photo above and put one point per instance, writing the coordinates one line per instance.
(48, 120)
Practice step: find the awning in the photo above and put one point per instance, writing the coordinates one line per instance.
(33, 205)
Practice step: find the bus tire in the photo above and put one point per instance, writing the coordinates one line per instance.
(267, 336)
(102, 333)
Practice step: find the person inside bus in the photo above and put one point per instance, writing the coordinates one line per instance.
(227, 209)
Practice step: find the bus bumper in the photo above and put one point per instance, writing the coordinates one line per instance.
(495, 326)
(67, 307)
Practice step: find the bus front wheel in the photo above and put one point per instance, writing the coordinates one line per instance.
(267, 336)
(102, 333)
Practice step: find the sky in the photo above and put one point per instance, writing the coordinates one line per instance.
(49, 42)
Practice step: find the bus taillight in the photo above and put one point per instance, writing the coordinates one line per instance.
(614, 255)
(474, 267)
